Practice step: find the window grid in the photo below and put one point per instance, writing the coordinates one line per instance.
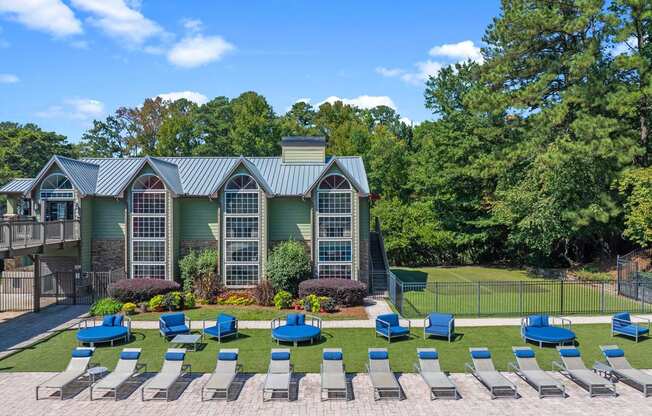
(334, 227)
(342, 271)
(333, 202)
(241, 232)
(148, 228)
(334, 251)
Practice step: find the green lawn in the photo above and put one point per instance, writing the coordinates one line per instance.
(506, 292)
(254, 345)
(251, 313)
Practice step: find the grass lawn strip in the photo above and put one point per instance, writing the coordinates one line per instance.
(255, 345)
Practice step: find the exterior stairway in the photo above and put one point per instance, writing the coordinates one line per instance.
(378, 262)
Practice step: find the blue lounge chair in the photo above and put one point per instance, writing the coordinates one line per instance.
(173, 324)
(113, 328)
(440, 325)
(389, 326)
(623, 324)
(225, 326)
(544, 329)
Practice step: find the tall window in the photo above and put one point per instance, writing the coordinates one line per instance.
(334, 225)
(57, 195)
(148, 224)
(241, 231)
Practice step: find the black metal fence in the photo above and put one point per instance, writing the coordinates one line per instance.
(518, 298)
(632, 279)
(17, 289)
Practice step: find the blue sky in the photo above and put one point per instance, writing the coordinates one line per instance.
(65, 62)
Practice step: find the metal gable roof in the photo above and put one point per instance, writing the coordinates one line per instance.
(199, 176)
(17, 186)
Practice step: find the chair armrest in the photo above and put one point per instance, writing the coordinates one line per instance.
(383, 322)
(513, 366)
(276, 321)
(188, 322)
(161, 324)
(186, 368)
(426, 322)
(557, 366)
(644, 319)
(565, 322)
(141, 366)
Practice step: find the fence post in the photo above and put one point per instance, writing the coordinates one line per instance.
(478, 289)
(561, 297)
(642, 292)
(436, 296)
(74, 288)
(602, 284)
(36, 294)
(520, 298)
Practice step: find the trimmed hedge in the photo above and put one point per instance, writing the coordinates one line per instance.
(345, 292)
(141, 290)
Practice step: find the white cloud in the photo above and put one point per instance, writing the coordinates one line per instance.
(363, 101)
(406, 121)
(8, 79)
(51, 16)
(188, 95)
(192, 25)
(305, 100)
(451, 53)
(195, 51)
(119, 19)
(74, 108)
(625, 47)
(389, 72)
(460, 51)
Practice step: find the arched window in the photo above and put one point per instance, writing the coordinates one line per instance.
(148, 227)
(241, 231)
(335, 225)
(56, 186)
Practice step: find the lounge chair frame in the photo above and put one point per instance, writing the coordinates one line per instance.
(139, 370)
(391, 393)
(496, 392)
(324, 392)
(284, 393)
(83, 378)
(637, 337)
(608, 388)
(186, 371)
(223, 393)
(544, 390)
(614, 373)
(437, 392)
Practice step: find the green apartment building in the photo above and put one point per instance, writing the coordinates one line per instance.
(143, 214)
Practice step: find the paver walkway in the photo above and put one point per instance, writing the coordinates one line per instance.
(26, 329)
(18, 399)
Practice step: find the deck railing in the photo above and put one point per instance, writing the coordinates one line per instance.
(16, 235)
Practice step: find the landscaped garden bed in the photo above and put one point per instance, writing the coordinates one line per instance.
(255, 345)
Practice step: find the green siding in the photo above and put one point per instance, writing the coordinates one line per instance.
(12, 205)
(86, 217)
(289, 218)
(108, 219)
(198, 219)
(364, 219)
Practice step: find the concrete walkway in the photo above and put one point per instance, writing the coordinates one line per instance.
(24, 330)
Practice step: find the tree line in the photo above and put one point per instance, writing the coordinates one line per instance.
(538, 155)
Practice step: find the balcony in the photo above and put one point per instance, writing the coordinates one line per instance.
(30, 237)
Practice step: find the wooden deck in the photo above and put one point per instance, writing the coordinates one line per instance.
(26, 237)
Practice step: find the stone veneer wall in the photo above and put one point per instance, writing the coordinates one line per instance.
(364, 261)
(107, 255)
(52, 264)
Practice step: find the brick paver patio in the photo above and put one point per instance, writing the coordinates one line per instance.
(18, 399)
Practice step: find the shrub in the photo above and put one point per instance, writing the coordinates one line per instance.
(288, 265)
(311, 303)
(105, 306)
(141, 290)
(587, 275)
(328, 304)
(189, 300)
(129, 308)
(172, 301)
(156, 303)
(199, 273)
(344, 292)
(282, 299)
(236, 299)
(264, 293)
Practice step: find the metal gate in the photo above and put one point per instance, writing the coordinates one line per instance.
(17, 291)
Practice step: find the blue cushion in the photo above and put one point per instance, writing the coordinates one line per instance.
(101, 333)
(551, 334)
(389, 318)
(632, 330)
(428, 355)
(227, 356)
(292, 319)
(524, 353)
(227, 322)
(333, 356)
(396, 331)
(280, 356)
(221, 330)
(538, 321)
(301, 319)
(108, 320)
(176, 330)
(117, 320)
(129, 355)
(440, 319)
(569, 352)
(616, 352)
(378, 355)
(623, 316)
(174, 319)
(481, 354)
(174, 356)
(82, 352)
(295, 333)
